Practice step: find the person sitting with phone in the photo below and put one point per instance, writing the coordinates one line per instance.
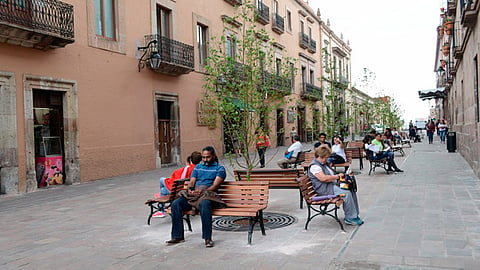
(291, 153)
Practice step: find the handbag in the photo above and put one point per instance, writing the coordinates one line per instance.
(348, 183)
(289, 155)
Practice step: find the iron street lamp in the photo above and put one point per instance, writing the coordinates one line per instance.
(154, 59)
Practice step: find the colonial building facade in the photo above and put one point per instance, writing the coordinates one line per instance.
(457, 67)
(99, 88)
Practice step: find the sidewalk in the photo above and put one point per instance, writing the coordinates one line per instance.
(425, 218)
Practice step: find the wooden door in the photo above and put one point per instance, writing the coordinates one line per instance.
(280, 128)
(164, 140)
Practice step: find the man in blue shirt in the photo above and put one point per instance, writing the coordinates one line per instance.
(208, 176)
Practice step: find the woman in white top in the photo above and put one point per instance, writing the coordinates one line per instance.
(338, 155)
(442, 130)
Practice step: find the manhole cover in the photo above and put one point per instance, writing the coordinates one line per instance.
(270, 220)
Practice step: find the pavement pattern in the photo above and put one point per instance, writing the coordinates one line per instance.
(425, 218)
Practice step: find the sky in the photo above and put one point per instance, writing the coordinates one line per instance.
(396, 40)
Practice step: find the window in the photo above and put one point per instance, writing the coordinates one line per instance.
(310, 33)
(230, 47)
(312, 76)
(163, 21)
(105, 18)
(292, 73)
(278, 66)
(302, 27)
(202, 32)
(275, 7)
(289, 20)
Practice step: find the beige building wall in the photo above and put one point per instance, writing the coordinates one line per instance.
(110, 108)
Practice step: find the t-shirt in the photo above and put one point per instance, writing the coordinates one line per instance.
(314, 169)
(442, 127)
(378, 143)
(296, 148)
(205, 175)
(337, 149)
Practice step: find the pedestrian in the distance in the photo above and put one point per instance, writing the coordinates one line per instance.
(430, 127)
(262, 143)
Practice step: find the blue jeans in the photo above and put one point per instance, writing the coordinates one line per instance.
(350, 202)
(180, 205)
(163, 192)
(389, 155)
(442, 135)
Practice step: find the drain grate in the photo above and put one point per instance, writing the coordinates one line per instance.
(270, 220)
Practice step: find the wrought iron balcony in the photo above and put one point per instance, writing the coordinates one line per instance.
(278, 24)
(303, 40)
(176, 58)
(263, 13)
(469, 12)
(234, 2)
(311, 91)
(279, 83)
(312, 46)
(42, 24)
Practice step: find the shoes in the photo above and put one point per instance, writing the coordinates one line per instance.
(389, 170)
(358, 220)
(209, 243)
(157, 195)
(354, 221)
(174, 241)
(262, 166)
(398, 170)
(158, 214)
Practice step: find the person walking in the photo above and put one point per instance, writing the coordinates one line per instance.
(293, 133)
(430, 127)
(442, 130)
(262, 143)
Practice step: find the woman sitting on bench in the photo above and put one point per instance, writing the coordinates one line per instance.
(324, 181)
(338, 155)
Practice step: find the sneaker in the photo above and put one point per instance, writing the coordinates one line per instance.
(398, 170)
(358, 221)
(157, 195)
(350, 222)
(158, 214)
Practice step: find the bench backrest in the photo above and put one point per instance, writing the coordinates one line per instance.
(306, 187)
(244, 194)
(309, 157)
(275, 177)
(357, 149)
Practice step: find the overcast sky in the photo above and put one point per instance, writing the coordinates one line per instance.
(394, 39)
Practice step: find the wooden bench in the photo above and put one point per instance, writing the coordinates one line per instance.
(309, 157)
(298, 161)
(277, 178)
(325, 207)
(243, 199)
(374, 163)
(357, 151)
(155, 204)
(406, 141)
(348, 153)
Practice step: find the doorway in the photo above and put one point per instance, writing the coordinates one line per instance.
(280, 128)
(165, 136)
(301, 123)
(48, 137)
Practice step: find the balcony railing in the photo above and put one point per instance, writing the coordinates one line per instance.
(278, 25)
(234, 2)
(177, 58)
(469, 12)
(278, 82)
(312, 46)
(312, 92)
(42, 24)
(263, 13)
(303, 40)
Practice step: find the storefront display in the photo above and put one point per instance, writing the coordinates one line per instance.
(49, 162)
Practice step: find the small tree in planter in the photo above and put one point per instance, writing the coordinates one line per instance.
(244, 84)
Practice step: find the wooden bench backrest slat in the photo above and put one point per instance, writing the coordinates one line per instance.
(276, 178)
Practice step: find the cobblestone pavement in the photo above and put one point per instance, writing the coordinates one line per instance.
(425, 218)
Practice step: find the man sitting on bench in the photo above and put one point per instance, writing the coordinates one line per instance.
(380, 152)
(291, 153)
(206, 177)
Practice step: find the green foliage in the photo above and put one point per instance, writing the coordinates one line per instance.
(244, 85)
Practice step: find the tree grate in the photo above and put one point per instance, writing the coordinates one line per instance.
(271, 221)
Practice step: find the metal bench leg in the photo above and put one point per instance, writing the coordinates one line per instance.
(260, 221)
(309, 216)
(251, 224)
(301, 199)
(151, 213)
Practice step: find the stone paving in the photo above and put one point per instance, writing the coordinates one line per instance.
(425, 218)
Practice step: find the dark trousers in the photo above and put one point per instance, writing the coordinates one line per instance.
(180, 205)
(261, 155)
(390, 158)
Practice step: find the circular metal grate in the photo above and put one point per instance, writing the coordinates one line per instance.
(270, 220)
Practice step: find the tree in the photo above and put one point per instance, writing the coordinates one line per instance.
(245, 82)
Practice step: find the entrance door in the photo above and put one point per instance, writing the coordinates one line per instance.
(48, 137)
(280, 128)
(301, 123)
(165, 131)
